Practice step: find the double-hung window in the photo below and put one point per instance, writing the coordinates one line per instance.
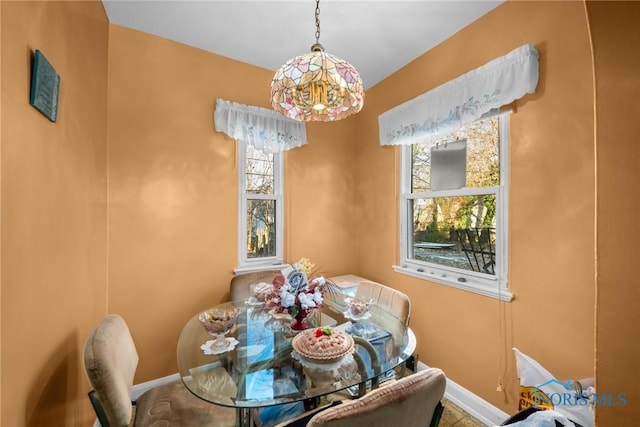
(262, 135)
(453, 208)
(454, 174)
(261, 222)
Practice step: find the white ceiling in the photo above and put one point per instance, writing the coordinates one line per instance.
(377, 37)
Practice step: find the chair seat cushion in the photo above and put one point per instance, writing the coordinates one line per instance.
(173, 405)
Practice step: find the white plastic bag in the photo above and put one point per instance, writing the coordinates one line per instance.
(544, 419)
(538, 387)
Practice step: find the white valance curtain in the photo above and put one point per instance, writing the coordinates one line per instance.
(265, 129)
(463, 100)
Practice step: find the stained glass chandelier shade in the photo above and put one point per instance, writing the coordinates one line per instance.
(317, 86)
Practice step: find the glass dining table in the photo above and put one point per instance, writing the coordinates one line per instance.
(262, 370)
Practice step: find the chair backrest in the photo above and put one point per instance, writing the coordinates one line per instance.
(240, 286)
(389, 299)
(111, 359)
(408, 402)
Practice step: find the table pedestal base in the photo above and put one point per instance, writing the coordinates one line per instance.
(244, 417)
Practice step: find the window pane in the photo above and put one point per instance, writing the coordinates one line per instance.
(455, 231)
(259, 172)
(421, 168)
(483, 156)
(261, 228)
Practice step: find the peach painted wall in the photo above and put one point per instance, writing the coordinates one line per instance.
(551, 210)
(1, 133)
(614, 29)
(173, 218)
(54, 215)
(172, 202)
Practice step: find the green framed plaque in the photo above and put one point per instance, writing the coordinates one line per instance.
(45, 85)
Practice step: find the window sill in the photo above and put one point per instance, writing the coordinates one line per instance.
(260, 267)
(470, 286)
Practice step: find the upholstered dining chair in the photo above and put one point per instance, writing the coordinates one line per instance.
(396, 303)
(412, 401)
(391, 300)
(111, 359)
(240, 286)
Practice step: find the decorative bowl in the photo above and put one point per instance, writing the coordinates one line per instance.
(358, 307)
(259, 293)
(218, 321)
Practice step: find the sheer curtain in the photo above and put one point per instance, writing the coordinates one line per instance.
(463, 100)
(265, 129)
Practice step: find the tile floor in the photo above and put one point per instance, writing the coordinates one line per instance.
(453, 416)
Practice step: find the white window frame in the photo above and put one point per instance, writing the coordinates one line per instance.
(484, 284)
(245, 263)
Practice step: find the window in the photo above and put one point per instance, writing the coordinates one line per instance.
(456, 234)
(261, 208)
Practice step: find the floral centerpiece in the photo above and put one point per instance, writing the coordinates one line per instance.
(296, 291)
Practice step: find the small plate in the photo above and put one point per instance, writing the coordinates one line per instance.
(348, 315)
(208, 347)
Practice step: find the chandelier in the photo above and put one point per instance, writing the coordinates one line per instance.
(317, 86)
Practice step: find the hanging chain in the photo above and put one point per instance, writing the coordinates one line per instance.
(317, 21)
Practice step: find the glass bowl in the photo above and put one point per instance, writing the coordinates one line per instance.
(357, 308)
(218, 322)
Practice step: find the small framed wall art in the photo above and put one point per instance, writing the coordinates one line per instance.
(45, 85)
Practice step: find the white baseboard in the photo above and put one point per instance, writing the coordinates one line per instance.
(477, 407)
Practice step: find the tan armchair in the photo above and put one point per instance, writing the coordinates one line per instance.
(111, 359)
(412, 401)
